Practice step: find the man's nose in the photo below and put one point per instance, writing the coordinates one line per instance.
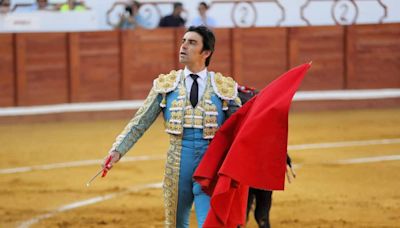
(184, 45)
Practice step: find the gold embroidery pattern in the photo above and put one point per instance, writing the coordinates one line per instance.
(174, 125)
(171, 180)
(225, 105)
(224, 87)
(210, 114)
(210, 108)
(136, 127)
(238, 101)
(166, 83)
(204, 116)
(209, 120)
(163, 101)
(209, 132)
(193, 117)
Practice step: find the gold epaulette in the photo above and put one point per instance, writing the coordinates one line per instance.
(224, 87)
(166, 82)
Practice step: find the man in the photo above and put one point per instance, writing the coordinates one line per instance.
(131, 19)
(73, 5)
(175, 19)
(203, 18)
(4, 6)
(194, 102)
(39, 5)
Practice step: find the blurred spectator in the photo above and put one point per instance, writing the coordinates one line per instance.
(131, 18)
(42, 4)
(175, 19)
(73, 5)
(4, 6)
(39, 5)
(203, 18)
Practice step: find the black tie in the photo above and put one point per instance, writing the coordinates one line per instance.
(194, 91)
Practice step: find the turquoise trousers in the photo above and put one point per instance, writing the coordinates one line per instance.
(193, 149)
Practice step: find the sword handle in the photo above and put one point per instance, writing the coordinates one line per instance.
(106, 166)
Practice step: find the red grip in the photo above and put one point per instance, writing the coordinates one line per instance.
(106, 165)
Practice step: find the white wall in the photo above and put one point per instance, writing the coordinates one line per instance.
(268, 13)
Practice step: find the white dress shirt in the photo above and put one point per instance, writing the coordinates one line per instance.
(201, 80)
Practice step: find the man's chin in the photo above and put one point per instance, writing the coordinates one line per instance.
(183, 61)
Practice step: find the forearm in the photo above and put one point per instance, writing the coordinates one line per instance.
(136, 127)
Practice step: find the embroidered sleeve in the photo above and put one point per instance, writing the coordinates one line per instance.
(233, 106)
(142, 120)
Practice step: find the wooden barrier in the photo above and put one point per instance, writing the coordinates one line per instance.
(41, 68)
(221, 61)
(95, 70)
(260, 55)
(7, 74)
(325, 47)
(49, 68)
(373, 56)
(145, 55)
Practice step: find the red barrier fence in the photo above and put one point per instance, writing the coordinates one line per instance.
(49, 68)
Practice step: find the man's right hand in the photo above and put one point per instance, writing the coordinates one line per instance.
(115, 156)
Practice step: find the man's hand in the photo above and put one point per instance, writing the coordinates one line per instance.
(289, 166)
(108, 163)
(290, 175)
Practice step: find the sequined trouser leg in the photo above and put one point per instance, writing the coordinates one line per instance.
(180, 190)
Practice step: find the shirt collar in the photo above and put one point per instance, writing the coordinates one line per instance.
(202, 74)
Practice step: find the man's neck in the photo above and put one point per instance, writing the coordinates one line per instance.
(196, 69)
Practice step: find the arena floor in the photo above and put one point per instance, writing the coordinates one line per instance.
(44, 169)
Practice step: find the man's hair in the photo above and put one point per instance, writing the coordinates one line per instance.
(204, 4)
(128, 9)
(177, 4)
(137, 4)
(208, 39)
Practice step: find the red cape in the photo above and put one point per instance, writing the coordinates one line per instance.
(249, 150)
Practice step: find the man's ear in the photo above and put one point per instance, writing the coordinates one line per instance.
(206, 53)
